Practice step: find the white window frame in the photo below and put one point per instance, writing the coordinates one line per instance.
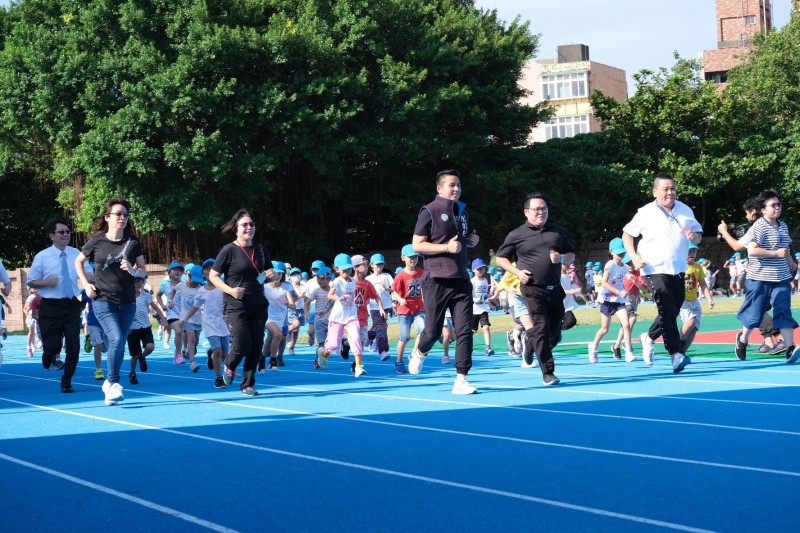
(564, 86)
(564, 127)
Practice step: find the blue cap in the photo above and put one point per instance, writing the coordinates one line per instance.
(692, 246)
(343, 262)
(398, 270)
(209, 261)
(597, 268)
(377, 258)
(478, 263)
(279, 266)
(626, 259)
(408, 251)
(295, 270)
(737, 254)
(304, 275)
(323, 271)
(491, 270)
(175, 265)
(196, 274)
(597, 264)
(317, 264)
(617, 246)
(588, 264)
(498, 276)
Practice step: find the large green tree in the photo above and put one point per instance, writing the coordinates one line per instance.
(328, 117)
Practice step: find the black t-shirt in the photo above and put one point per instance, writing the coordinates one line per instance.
(241, 268)
(113, 284)
(530, 248)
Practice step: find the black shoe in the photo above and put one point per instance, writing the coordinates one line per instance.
(219, 383)
(280, 361)
(550, 379)
(273, 364)
(143, 363)
(527, 352)
(353, 367)
(345, 349)
(58, 364)
(617, 354)
(66, 388)
(210, 362)
(132, 379)
(262, 363)
(741, 347)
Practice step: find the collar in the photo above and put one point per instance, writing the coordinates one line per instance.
(537, 228)
(442, 200)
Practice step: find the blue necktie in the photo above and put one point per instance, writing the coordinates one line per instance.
(66, 282)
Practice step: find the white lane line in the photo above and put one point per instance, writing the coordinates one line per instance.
(112, 492)
(345, 464)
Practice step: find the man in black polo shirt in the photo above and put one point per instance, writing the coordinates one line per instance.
(539, 247)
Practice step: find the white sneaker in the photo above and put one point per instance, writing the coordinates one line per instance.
(679, 362)
(648, 349)
(592, 352)
(359, 371)
(415, 362)
(113, 392)
(445, 359)
(194, 367)
(629, 357)
(523, 364)
(461, 386)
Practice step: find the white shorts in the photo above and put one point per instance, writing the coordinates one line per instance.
(690, 310)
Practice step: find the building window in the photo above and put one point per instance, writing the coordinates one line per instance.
(561, 127)
(561, 86)
(750, 20)
(717, 77)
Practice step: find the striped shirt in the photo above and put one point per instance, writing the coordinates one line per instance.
(769, 237)
(142, 317)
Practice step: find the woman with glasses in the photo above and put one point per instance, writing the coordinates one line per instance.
(243, 264)
(118, 257)
(769, 276)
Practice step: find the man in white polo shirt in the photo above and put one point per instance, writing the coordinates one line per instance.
(666, 226)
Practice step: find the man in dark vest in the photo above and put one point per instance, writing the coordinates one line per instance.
(441, 237)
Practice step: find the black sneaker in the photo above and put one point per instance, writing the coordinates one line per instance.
(527, 352)
(58, 364)
(209, 362)
(273, 364)
(741, 347)
(792, 355)
(345, 351)
(143, 363)
(550, 379)
(132, 379)
(262, 363)
(219, 383)
(280, 361)
(780, 347)
(617, 354)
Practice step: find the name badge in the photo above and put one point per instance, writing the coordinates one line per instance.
(262, 278)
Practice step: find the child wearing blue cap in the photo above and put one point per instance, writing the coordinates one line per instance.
(318, 294)
(281, 297)
(192, 324)
(612, 297)
(311, 284)
(589, 278)
(407, 291)
(173, 313)
(480, 304)
(344, 315)
(382, 281)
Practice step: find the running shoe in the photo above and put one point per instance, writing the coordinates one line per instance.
(359, 371)
(143, 363)
(462, 387)
(741, 347)
(615, 351)
(87, 343)
(178, 359)
(400, 367)
(550, 379)
(384, 356)
(132, 379)
(98, 375)
(679, 362)
(792, 354)
(262, 364)
(195, 368)
(648, 349)
(592, 347)
(445, 359)
(58, 364)
(766, 348)
(227, 376)
(210, 361)
(415, 362)
(249, 391)
(780, 347)
(219, 382)
(273, 364)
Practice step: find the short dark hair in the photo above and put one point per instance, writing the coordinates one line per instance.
(751, 204)
(765, 197)
(536, 195)
(448, 172)
(662, 176)
(51, 224)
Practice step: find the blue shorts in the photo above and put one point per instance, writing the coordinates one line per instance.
(611, 308)
(761, 293)
(406, 321)
(297, 315)
(217, 341)
(520, 308)
(321, 330)
(190, 326)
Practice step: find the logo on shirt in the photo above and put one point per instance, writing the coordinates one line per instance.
(445, 218)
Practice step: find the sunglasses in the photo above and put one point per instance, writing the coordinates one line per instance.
(63, 232)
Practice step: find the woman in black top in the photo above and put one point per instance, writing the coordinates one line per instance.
(244, 266)
(118, 257)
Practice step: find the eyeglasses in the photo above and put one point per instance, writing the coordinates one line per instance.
(248, 224)
(775, 205)
(63, 232)
(537, 209)
(120, 214)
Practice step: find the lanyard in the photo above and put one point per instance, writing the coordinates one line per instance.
(251, 258)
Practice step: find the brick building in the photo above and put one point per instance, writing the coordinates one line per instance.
(738, 22)
(567, 81)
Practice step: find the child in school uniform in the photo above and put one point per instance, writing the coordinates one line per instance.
(382, 281)
(140, 337)
(612, 297)
(322, 305)
(407, 292)
(185, 292)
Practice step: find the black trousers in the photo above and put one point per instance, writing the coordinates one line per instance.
(547, 312)
(60, 325)
(668, 294)
(439, 295)
(247, 338)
